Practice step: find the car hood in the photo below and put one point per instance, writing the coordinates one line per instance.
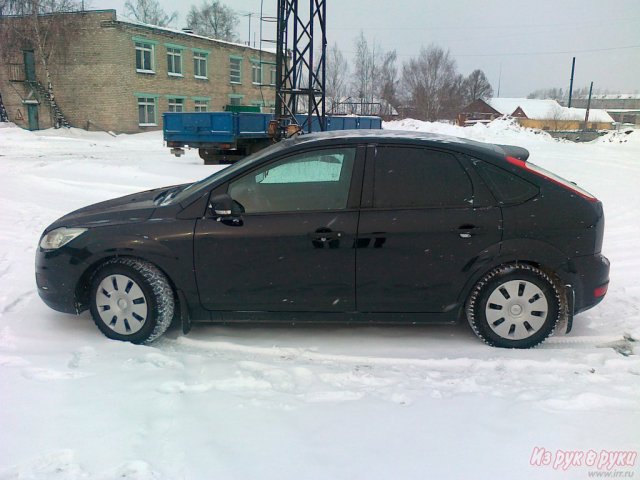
(132, 208)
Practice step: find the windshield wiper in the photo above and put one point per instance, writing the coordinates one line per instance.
(165, 195)
(168, 195)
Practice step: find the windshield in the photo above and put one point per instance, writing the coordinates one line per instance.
(211, 179)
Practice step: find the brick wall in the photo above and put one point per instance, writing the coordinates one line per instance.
(97, 85)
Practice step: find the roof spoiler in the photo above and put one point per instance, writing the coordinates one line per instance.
(516, 152)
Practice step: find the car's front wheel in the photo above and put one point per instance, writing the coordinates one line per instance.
(515, 306)
(131, 300)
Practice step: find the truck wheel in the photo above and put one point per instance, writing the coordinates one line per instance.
(515, 306)
(131, 300)
(209, 157)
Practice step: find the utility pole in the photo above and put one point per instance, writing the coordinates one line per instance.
(573, 68)
(499, 80)
(586, 115)
(250, 14)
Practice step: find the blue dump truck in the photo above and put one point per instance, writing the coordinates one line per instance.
(225, 137)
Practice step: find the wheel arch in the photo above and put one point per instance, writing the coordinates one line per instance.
(540, 255)
(82, 288)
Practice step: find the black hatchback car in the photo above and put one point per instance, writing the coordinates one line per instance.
(352, 226)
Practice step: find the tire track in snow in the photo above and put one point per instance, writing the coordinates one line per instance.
(305, 376)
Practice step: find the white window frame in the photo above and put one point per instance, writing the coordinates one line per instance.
(145, 47)
(147, 102)
(272, 74)
(256, 78)
(235, 99)
(201, 105)
(174, 103)
(173, 54)
(200, 59)
(235, 73)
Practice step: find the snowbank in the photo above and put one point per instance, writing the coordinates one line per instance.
(316, 402)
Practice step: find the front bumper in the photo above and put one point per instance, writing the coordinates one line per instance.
(58, 273)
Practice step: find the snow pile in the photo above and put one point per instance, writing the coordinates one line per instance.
(621, 136)
(312, 402)
(500, 130)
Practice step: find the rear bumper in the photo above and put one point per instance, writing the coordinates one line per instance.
(589, 279)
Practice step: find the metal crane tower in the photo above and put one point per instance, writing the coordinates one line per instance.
(300, 64)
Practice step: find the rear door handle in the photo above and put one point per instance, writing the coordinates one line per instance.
(467, 230)
(326, 236)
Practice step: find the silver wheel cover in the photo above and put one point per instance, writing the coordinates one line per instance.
(121, 304)
(516, 309)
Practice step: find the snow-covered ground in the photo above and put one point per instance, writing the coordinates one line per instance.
(305, 402)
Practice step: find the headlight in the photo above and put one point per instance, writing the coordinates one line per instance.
(59, 237)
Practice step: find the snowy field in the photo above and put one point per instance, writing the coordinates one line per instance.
(306, 402)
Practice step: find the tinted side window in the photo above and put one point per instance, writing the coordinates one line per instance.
(417, 177)
(506, 187)
(318, 180)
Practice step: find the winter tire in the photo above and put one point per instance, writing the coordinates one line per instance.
(131, 300)
(515, 306)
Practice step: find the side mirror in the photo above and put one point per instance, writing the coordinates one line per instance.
(225, 206)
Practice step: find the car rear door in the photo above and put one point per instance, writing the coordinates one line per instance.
(420, 230)
(292, 248)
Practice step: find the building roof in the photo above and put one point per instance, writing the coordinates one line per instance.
(123, 19)
(536, 109)
(613, 96)
(532, 107)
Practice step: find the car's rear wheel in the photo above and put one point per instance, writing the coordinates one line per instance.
(515, 306)
(131, 300)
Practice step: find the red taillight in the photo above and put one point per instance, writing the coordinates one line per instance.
(541, 172)
(600, 291)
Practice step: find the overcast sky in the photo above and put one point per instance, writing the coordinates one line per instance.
(524, 46)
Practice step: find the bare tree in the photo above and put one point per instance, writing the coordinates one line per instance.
(477, 86)
(150, 12)
(213, 19)
(365, 69)
(427, 81)
(388, 79)
(337, 73)
(547, 93)
(557, 117)
(453, 98)
(38, 30)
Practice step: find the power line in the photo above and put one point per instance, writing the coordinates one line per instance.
(559, 52)
(520, 54)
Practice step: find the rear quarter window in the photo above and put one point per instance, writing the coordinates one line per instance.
(507, 188)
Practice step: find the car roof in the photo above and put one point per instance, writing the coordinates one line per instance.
(396, 137)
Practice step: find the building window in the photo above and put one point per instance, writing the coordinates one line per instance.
(176, 104)
(201, 105)
(235, 99)
(256, 72)
(174, 61)
(235, 69)
(199, 65)
(147, 111)
(144, 57)
(272, 75)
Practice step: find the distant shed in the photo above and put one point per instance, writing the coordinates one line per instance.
(535, 113)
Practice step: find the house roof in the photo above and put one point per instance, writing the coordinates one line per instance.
(536, 109)
(532, 107)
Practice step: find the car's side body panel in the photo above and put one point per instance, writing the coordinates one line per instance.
(362, 263)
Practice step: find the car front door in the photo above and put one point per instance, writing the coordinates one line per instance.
(292, 248)
(419, 231)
